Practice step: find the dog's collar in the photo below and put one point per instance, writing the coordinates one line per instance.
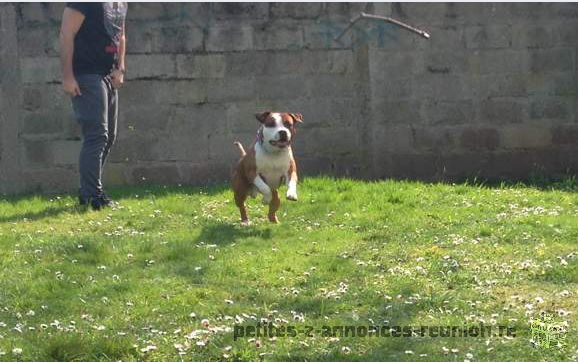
(260, 136)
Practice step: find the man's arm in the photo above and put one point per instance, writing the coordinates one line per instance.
(122, 48)
(118, 74)
(71, 22)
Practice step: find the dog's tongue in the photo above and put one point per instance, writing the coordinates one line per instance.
(280, 143)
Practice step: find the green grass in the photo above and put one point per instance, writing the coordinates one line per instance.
(78, 285)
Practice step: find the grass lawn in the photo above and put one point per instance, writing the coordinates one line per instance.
(141, 282)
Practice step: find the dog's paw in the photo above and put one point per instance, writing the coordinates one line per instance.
(245, 223)
(291, 195)
(267, 199)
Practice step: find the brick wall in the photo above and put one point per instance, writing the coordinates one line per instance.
(492, 94)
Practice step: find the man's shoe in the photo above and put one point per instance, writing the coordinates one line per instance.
(98, 203)
(101, 202)
(106, 200)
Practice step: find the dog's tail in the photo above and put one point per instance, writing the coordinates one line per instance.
(238, 144)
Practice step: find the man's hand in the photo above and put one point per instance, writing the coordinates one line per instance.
(71, 87)
(71, 21)
(117, 78)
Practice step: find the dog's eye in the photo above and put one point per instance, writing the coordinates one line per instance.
(287, 124)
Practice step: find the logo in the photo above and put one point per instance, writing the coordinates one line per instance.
(548, 334)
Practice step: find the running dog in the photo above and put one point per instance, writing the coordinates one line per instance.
(268, 163)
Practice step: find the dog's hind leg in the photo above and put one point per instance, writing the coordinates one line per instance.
(241, 191)
(274, 206)
(240, 201)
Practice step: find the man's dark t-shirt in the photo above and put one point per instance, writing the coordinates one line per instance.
(96, 44)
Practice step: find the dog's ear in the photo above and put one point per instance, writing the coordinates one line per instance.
(262, 116)
(297, 117)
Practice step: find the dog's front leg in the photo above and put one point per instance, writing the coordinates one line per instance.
(264, 189)
(292, 182)
(292, 188)
(274, 206)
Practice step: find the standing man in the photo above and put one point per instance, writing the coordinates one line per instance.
(92, 49)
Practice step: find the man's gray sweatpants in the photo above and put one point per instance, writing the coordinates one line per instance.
(97, 112)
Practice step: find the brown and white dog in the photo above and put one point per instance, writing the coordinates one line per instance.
(268, 163)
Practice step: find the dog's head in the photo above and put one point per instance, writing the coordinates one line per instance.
(278, 128)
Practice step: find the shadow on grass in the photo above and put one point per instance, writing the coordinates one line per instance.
(184, 257)
(116, 193)
(45, 213)
(123, 192)
(80, 348)
(568, 183)
(222, 233)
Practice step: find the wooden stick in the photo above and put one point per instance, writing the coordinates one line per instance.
(349, 26)
(363, 15)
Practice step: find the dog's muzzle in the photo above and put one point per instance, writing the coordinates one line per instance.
(283, 140)
(280, 144)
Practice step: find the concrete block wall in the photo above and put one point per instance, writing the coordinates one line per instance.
(492, 94)
(489, 95)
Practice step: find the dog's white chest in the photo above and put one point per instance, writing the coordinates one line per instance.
(272, 166)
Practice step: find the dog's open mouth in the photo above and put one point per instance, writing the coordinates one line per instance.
(280, 144)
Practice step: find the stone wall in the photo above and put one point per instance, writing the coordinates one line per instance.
(492, 94)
